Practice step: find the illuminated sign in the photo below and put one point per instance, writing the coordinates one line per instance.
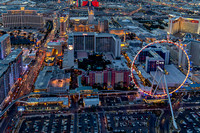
(194, 21)
(94, 3)
(158, 62)
(22, 8)
(21, 108)
(70, 47)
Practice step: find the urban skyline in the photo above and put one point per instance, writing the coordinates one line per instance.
(99, 66)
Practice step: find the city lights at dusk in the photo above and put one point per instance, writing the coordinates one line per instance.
(99, 66)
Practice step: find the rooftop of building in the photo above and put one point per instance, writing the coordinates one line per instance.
(144, 73)
(85, 88)
(49, 73)
(82, 54)
(93, 33)
(91, 99)
(120, 64)
(108, 56)
(54, 44)
(175, 76)
(43, 78)
(186, 41)
(21, 2)
(176, 17)
(65, 13)
(158, 47)
(106, 35)
(12, 56)
(78, 18)
(48, 99)
(134, 41)
(190, 41)
(82, 33)
(2, 38)
(159, 32)
(155, 56)
(22, 12)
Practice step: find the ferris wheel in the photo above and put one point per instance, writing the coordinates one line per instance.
(161, 80)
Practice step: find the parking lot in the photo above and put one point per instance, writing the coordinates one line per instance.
(110, 101)
(113, 101)
(88, 123)
(193, 99)
(130, 122)
(52, 124)
(189, 121)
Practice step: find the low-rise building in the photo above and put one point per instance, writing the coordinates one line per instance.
(52, 79)
(91, 101)
(47, 103)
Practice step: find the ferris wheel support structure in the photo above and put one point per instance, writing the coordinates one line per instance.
(167, 91)
(170, 104)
